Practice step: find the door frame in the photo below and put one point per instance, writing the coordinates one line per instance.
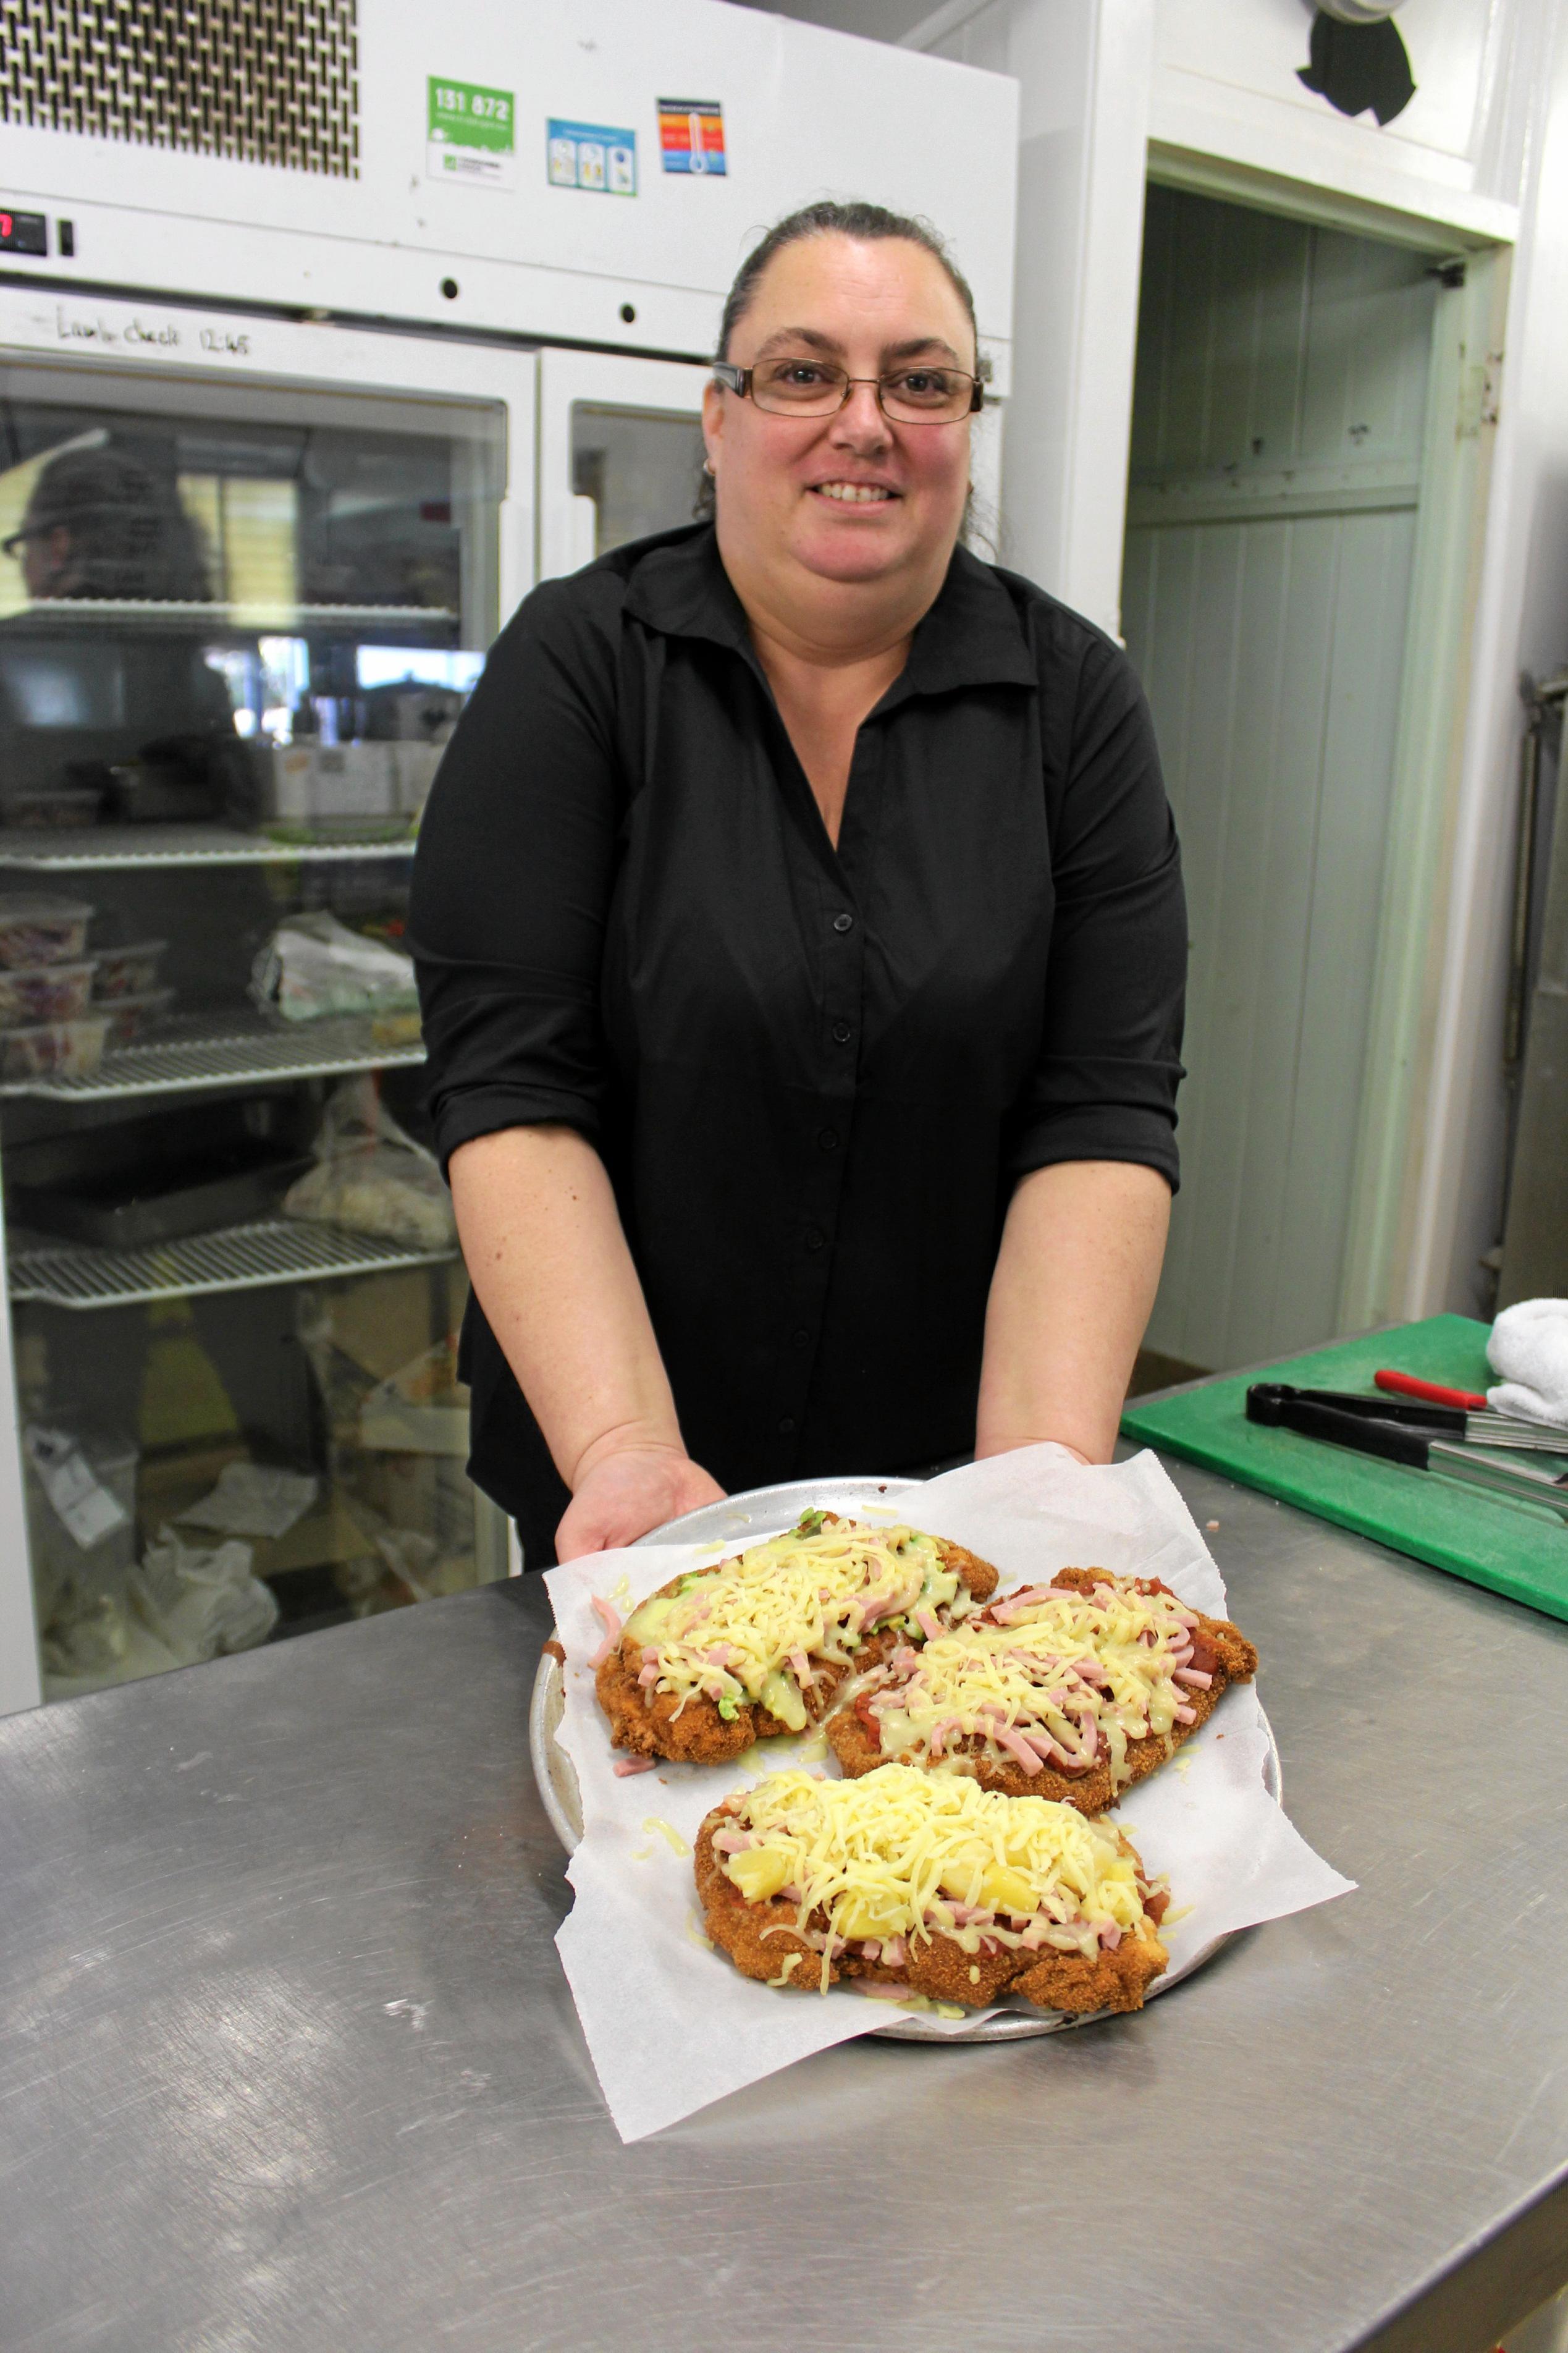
(611, 380)
(1380, 1277)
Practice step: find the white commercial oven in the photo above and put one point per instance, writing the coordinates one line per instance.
(318, 345)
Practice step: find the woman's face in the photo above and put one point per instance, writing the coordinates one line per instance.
(848, 496)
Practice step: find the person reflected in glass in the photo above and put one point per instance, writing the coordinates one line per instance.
(98, 523)
(149, 723)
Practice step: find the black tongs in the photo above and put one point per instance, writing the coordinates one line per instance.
(1401, 1434)
(1502, 1430)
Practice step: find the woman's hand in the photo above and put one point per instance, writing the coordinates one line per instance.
(625, 1492)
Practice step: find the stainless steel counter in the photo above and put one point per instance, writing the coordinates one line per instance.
(287, 2061)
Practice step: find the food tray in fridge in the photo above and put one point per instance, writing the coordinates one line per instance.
(47, 992)
(128, 1015)
(129, 972)
(172, 1193)
(54, 1049)
(37, 928)
(52, 806)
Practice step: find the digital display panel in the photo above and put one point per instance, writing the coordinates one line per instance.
(23, 232)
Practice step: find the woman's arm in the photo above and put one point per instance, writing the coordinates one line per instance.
(1075, 1281)
(548, 1260)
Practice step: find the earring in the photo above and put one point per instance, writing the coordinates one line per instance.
(708, 468)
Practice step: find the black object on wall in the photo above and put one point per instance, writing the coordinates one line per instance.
(1358, 66)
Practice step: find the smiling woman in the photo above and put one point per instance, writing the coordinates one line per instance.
(801, 939)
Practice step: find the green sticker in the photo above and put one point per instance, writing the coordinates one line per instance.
(471, 133)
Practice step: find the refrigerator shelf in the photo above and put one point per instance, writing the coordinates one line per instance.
(244, 1051)
(264, 619)
(100, 848)
(233, 1258)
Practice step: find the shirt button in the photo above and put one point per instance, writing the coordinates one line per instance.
(842, 1033)
(786, 1427)
(828, 1139)
(815, 1237)
(800, 1338)
(843, 922)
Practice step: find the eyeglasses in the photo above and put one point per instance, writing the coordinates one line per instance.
(922, 395)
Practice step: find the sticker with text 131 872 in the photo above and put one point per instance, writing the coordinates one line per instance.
(691, 136)
(592, 155)
(470, 135)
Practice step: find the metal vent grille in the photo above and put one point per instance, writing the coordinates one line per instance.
(261, 81)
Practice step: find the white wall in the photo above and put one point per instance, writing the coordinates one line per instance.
(1522, 623)
(1227, 86)
(1083, 68)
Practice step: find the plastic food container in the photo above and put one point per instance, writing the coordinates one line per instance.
(36, 929)
(52, 806)
(127, 1015)
(50, 992)
(56, 1050)
(129, 972)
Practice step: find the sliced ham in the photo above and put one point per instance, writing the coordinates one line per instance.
(1017, 1746)
(612, 1626)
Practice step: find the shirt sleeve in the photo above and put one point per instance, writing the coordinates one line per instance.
(1104, 1084)
(512, 876)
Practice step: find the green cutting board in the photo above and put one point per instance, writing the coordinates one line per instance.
(1508, 1547)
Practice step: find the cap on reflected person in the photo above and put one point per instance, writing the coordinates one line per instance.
(91, 486)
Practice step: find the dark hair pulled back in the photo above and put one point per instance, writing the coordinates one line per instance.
(869, 224)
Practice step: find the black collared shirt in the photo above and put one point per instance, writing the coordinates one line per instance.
(814, 1076)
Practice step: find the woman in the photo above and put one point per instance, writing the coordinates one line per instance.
(801, 941)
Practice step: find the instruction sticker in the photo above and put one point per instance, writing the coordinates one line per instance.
(471, 133)
(691, 135)
(594, 156)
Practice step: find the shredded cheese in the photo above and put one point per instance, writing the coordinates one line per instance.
(750, 1629)
(901, 1853)
(667, 1831)
(1053, 1676)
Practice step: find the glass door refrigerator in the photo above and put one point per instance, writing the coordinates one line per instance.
(389, 343)
(240, 609)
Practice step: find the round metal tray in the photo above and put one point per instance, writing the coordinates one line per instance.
(759, 1512)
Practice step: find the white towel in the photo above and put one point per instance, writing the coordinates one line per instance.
(1529, 1347)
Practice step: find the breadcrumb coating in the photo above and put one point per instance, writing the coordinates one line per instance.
(655, 1724)
(757, 1937)
(856, 1740)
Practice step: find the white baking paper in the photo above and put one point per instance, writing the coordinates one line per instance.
(669, 2023)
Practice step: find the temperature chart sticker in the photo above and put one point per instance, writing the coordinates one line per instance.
(592, 156)
(691, 135)
(470, 135)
